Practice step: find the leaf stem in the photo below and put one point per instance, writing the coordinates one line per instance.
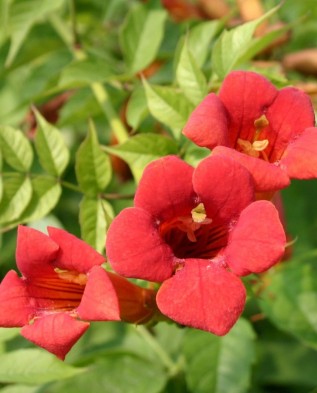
(71, 186)
(172, 367)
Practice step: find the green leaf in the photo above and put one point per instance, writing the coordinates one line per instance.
(190, 78)
(46, 194)
(93, 166)
(19, 389)
(231, 48)
(50, 146)
(117, 374)
(200, 37)
(94, 218)
(84, 72)
(140, 150)
(17, 193)
(8, 333)
(33, 366)
(220, 364)
(168, 105)
(290, 299)
(137, 108)
(141, 36)
(22, 16)
(16, 148)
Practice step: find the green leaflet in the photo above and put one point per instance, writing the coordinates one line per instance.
(93, 166)
(140, 25)
(50, 146)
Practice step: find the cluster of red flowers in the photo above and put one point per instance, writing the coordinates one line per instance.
(194, 231)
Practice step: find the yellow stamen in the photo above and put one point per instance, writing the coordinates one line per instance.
(260, 145)
(70, 276)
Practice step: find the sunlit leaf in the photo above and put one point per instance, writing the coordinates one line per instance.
(142, 149)
(220, 364)
(94, 217)
(93, 166)
(200, 37)
(168, 105)
(232, 46)
(33, 366)
(190, 78)
(17, 193)
(16, 148)
(137, 108)
(141, 36)
(50, 146)
(46, 194)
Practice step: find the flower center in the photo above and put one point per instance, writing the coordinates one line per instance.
(59, 291)
(194, 235)
(257, 147)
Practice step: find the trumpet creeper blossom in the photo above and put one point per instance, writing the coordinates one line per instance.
(196, 231)
(62, 288)
(269, 131)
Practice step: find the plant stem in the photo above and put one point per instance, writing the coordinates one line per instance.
(163, 355)
(71, 186)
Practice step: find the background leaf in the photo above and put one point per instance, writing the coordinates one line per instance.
(93, 167)
(94, 217)
(189, 77)
(142, 149)
(220, 364)
(140, 24)
(17, 193)
(50, 146)
(232, 45)
(290, 299)
(168, 105)
(33, 366)
(16, 148)
(114, 374)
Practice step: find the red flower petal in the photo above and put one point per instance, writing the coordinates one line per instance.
(207, 126)
(135, 248)
(257, 241)
(300, 158)
(289, 115)
(165, 190)
(246, 96)
(56, 333)
(266, 176)
(75, 254)
(15, 307)
(35, 252)
(99, 301)
(204, 296)
(224, 186)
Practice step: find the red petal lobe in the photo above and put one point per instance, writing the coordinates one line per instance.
(204, 296)
(289, 115)
(266, 176)
(300, 158)
(99, 301)
(35, 252)
(75, 254)
(246, 96)
(224, 186)
(15, 307)
(207, 126)
(56, 333)
(257, 241)
(165, 190)
(135, 248)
